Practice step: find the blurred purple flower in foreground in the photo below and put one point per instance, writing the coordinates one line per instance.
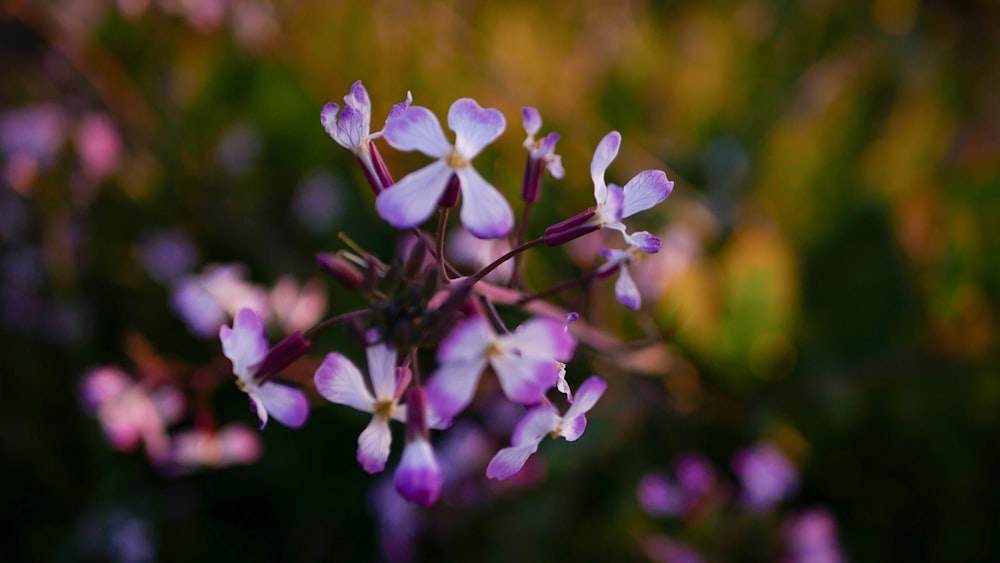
(812, 538)
(768, 476)
(658, 495)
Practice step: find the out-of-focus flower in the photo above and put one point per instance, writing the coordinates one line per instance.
(767, 476)
(614, 204)
(526, 362)
(117, 535)
(812, 538)
(207, 301)
(317, 203)
(245, 344)
(398, 521)
(680, 248)
(234, 444)
(238, 148)
(129, 413)
(468, 250)
(658, 495)
(543, 420)
(99, 146)
(297, 309)
(485, 212)
(168, 255)
(30, 138)
(695, 475)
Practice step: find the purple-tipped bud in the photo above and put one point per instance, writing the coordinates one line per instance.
(418, 477)
(532, 185)
(281, 356)
(385, 179)
(341, 269)
(572, 228)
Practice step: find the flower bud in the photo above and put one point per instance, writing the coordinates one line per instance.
(572, 228)
(341, 269)
(282, 355)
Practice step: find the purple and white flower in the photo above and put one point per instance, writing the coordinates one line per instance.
(352, 130)
(542, 420)
(245, 344)
(541, 156)
(526, 362)
(485, 212)
(339, 381)
(614, 204)
(626, 290)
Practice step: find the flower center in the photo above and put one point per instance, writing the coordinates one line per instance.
(383, 408)
(455, 160)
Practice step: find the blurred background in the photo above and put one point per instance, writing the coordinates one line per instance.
(828, 383)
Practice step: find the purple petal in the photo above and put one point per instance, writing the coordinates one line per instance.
(352, 128)
(328, 117)
(611, 211)
(382, 370)
(525, 380)
(466, 342)
(399, 108)
(645, 190)
(417, 129)
(586, 396)
(245, 344)
(534, 426)
(615, 260)
(339, 381)
(606, 151)
(543, 338)
(358, 99)
(485, 212)
(452, 386)
(419, 477)
(626, 290)
(373, 445)
(414, 198)
(509, 461)
(572, 428)
(645, 242)
(532, 120)
(474, 126)
(287, 404)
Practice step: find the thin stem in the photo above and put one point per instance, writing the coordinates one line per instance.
(499, 261)
(332, 321)
(415, 366)
(515, 278)
(557, 288)
(491, 310)
(431, 247)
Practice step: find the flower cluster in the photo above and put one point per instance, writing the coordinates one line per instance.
(434, 334)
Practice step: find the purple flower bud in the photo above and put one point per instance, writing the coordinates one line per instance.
(532, 179)
(381, 171)
(449, 198)
(281, 356)
(418, 477)
(572, 228)
(416, 415)
(341, 269)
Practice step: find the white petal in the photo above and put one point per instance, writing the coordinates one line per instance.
(415, 196)
(373, 445)
(382, 369)
(542, 338)
(466, 342)
(645, 190)
(485, 212)
(245, 344)
(451, 388)
(532, 120)
(509, 461)
(525, 380)
(417, 129)
(538, 422)
(339, 381)
(605, 152)
(474, 126)
(586, 396)
(287, 404)
(626, 290)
